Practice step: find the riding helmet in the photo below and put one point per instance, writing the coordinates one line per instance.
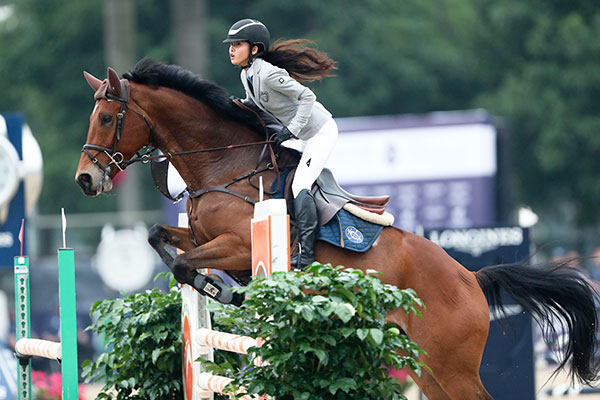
(250, 30)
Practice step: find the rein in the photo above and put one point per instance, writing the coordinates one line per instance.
(146, 157)
(160, 169)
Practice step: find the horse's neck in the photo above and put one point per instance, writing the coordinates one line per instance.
(190, 125)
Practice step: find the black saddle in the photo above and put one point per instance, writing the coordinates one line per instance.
(330, 197)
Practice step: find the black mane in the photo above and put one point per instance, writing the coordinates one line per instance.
(151, 72)
(158, 73)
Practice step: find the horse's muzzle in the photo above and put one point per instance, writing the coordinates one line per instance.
(93, 184)
(84, 180)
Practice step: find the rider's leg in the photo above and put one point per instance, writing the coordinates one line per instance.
(316, 152)
(307, 223)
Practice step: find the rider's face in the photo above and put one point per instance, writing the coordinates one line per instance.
(239, 53)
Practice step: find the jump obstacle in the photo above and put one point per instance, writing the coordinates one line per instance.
(270, 253)
(66, 350)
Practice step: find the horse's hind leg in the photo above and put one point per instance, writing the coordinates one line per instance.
(458, 384)
(459, 388)
(454, 338)
(454, 356)
(467, 386)
(428, 385)
(455, 362)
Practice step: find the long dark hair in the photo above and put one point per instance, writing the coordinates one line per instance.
(302, 62)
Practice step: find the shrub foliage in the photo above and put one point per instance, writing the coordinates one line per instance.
(325, 335)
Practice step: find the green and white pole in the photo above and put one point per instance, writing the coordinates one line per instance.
(68, 323)
(68, 317)
(21, 265)
(66, 350)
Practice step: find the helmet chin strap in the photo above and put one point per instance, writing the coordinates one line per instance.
(252, 57)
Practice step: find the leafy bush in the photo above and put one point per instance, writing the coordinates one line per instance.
(325, 335)
(143, 334)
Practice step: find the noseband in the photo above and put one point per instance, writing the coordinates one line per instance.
(115, 156)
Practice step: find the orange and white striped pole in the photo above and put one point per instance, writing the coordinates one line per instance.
(270, 238)
(270, 253)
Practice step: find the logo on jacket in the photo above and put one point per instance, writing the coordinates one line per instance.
(264, 97)
(354, 235)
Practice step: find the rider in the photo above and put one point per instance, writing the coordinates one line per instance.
(270, 77)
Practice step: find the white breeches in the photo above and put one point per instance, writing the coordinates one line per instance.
(315, 154)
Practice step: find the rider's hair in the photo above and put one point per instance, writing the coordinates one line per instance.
(302, 62)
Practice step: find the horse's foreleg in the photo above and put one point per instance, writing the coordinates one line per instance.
(162, 237)
(228, 252)
(225, 252)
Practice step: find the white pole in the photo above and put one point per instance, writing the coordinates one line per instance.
(64, 228)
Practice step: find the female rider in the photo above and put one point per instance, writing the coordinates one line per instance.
(270, 77)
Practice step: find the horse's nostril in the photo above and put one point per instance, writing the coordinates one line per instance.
(84, 180)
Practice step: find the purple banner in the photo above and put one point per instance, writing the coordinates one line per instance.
(452, 203)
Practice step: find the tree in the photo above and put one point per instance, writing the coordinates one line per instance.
(549, 90)
(44, 50)
(533, 63)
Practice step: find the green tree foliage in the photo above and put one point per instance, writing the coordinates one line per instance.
(393, 57)
(548, 87)
(531, 62)
(44, 47)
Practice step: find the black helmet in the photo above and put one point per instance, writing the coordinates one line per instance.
(250, 30)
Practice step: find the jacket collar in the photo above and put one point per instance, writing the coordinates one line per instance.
(253, 70)
(256, 65)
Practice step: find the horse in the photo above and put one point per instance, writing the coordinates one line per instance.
(218, 149)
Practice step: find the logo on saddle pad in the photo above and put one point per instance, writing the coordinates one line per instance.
(354, 235)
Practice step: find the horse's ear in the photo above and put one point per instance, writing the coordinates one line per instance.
(92, 80)
(114, 82)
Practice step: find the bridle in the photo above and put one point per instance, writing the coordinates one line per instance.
(115, 156)
(159, 169)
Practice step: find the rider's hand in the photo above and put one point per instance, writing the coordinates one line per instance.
(283, 135)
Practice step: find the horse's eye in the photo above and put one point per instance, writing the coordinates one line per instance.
(106, 119)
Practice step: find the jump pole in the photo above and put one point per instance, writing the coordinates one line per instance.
(270, 253)
(66, 350)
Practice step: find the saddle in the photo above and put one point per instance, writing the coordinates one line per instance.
(330, 198)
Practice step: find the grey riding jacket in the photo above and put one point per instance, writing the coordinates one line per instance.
(281, 96)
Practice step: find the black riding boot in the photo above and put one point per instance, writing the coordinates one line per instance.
(307, 224)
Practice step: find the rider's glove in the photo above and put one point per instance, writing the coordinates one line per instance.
(283, 135)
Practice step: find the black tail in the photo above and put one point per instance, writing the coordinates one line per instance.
(560, 299)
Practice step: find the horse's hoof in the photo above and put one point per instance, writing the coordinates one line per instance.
(158, 236)
(180, 271)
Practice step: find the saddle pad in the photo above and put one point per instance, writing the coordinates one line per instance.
(349, 232)
(358, 235)
(278, 192)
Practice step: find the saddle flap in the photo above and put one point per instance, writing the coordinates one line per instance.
(326, 181)
(330, 197)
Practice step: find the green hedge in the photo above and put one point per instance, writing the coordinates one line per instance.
(325, 333)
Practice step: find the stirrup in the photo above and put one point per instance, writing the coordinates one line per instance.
(296, 263)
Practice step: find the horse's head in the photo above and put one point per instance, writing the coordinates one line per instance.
(113, 139)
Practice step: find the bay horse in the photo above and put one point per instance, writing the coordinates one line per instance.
(166, 107)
